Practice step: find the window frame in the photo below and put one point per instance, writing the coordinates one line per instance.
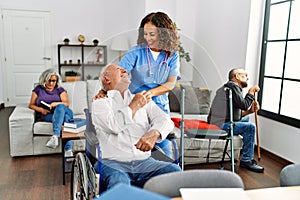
(268, 114)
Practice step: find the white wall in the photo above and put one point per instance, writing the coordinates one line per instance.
(216, 34)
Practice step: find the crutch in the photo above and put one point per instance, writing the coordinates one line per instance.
(182, 127)
(256, 124)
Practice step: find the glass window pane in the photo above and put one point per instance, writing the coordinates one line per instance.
(278, 21)
(271, 94)
(294, 30)
(274, 59)
(292, 69)
(290, 99)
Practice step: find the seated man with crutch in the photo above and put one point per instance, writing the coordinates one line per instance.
(219, 114)
(128, 126)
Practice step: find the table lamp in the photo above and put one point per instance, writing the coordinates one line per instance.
(119, 43)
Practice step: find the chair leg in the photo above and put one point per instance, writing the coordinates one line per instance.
(224, 152)
(208, 151)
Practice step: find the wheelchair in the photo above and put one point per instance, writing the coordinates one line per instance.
(85, 179)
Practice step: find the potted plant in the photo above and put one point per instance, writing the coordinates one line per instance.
(96, 42)
(88, 77)
(72, 76)
(182, 53)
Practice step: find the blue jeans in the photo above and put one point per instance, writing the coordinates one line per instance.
(247, 130)
(60, 115)
(135, 172)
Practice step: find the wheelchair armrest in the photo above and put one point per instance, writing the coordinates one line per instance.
(91, 138)
(171, 136)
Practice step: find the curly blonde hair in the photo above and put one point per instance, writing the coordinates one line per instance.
(167, 32)
(46, 75)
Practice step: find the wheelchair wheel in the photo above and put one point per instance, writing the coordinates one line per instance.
(93, 179)
(79, 179)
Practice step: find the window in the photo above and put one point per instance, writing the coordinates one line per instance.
(280, 64)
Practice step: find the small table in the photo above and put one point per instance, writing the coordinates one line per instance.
(65, 137)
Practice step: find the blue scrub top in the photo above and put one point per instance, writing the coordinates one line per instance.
(136, 64)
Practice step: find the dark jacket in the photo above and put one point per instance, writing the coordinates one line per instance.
(219, 110)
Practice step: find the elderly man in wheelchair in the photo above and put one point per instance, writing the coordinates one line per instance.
(127, 127)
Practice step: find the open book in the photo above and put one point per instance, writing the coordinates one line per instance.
(46, 105)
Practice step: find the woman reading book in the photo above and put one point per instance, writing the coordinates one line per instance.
(50, 102)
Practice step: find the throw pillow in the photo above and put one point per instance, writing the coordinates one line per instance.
(204, 99)
(194, 124)
(197, 101)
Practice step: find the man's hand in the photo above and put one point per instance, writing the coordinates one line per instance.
(139, 100)
(254, 89)
(147, 141)
(101, 94)
(254, 107)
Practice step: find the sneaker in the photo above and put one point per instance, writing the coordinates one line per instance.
(53, 142)
(69, 155)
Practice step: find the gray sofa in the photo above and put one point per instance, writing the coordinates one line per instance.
(28, 137)
(196, 107)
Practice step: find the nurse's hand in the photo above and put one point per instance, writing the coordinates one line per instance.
(148, 95)
(101, 94)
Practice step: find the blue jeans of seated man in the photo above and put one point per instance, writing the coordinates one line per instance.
(135, 172)
(60, 115)
(247, 130)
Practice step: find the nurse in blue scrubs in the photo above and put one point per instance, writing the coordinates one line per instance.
(154, 63)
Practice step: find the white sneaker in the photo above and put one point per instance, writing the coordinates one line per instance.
(69, 155)
(53, 142)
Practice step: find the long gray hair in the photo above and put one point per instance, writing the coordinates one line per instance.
(46, 75)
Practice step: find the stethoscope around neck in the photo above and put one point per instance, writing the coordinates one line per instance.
(160, 64)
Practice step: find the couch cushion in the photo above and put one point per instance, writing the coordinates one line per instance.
(93, 86)
(77, 93)
(197, 100)
(204, 99)
(43, 128)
